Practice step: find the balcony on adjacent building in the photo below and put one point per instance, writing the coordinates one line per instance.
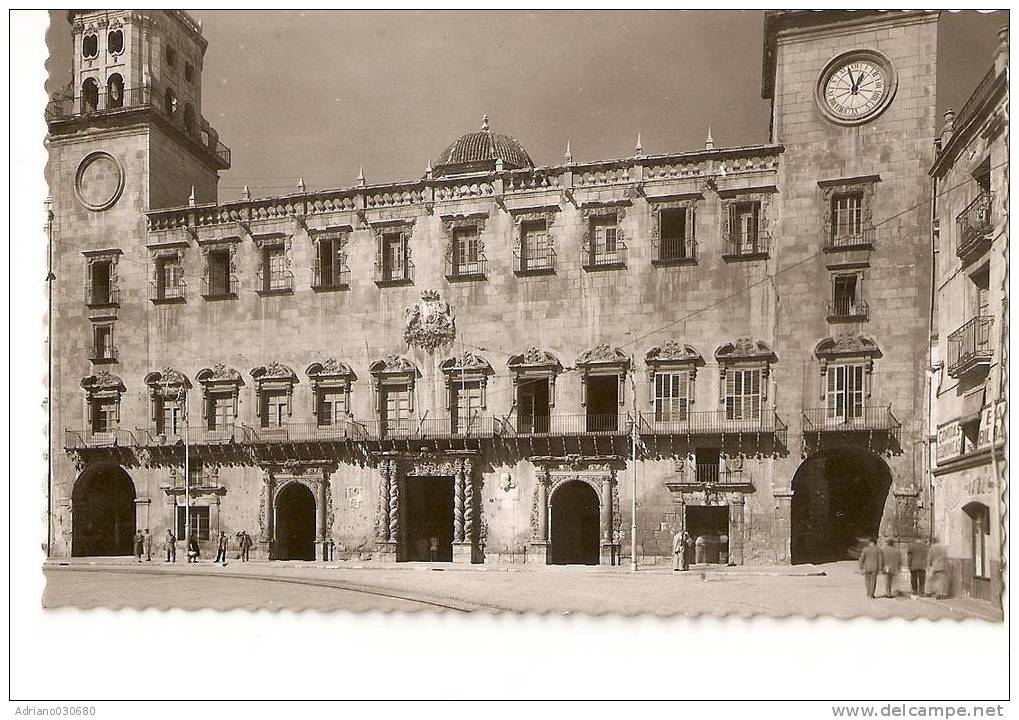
(152, 98)
(969, 347)
(974, 227)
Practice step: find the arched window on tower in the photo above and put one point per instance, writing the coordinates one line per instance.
(90, 46)
(115, 42)
(89, 96)
(171, 102)
(189, 119)
(115, 91)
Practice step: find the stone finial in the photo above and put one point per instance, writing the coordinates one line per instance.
(428, 167)
(246, 193)
(191, 197)
(709, 142)
(949, 127)
(638, 148)
(301, 186)
(484, 123)
(568, 155)
(360, 176)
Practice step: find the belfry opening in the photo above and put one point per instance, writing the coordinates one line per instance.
(838, 500)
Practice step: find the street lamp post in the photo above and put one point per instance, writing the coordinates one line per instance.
(633, 482)
(182, 398)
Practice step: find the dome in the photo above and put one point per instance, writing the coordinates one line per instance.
(478, 151)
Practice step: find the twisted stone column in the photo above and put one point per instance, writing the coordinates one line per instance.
(458, 504)
(383, 530)
(468, 488)
(394, 504)
(266, 506)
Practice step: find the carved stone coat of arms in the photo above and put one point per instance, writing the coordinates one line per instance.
(430, 323)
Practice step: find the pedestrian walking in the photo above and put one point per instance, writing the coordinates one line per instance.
(192, 549)
(222, 547)
(139, 545)
(148, 545)
(916, 556)
(937, 564)
(680, 549)
(245, 543)
(870, 566)
(892, 559)
(171, 546)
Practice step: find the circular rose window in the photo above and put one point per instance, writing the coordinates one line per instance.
(99, 181)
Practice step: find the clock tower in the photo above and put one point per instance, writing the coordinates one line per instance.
(853, 106)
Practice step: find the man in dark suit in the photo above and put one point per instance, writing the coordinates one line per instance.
(917, 558)
(892, 560)
(870, 566)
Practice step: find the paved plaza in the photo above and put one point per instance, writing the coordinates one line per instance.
(833, 589)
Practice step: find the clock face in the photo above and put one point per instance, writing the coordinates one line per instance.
(855, 87)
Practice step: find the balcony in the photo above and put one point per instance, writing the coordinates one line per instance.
(340, 431)
(92, 440)
(845, 309)
(712, 422)
(479, 427)
(219, 287)
(102, 295)
(674, 251)
(864, 419)
(849, 238)
(539, 262)
(331, 279)
(476, 269)
(568, 425)
(160, 293)
(387, 275)
(197, 435)
(602, 258)
(974, 227)
(278, 282)
(103, 354)
(153, 99)
(970, 346)
(743, 246)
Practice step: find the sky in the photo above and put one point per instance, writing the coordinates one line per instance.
(319, 94)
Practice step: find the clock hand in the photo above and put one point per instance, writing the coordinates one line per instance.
(850, 71)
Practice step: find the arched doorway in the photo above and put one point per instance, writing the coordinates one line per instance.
(103, 515)
(295, 523)
(838, 500)
(573, 525)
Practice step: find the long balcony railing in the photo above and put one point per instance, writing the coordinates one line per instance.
(232, 434)
(970, 345)
(481, 426)
(309, 432)
(90, 439)
(150, 97)
(739, 245)
(712, 422)
(847, 309)
(536, 262)
(848, 238)
(974, 224)
(574, 424)
(101, 295)
(867, 418)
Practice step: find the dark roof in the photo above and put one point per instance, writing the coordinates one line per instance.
(479, 150)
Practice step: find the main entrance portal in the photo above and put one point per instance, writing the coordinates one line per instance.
(103, 517)
(838, 500)
(429, 519)
(295, 523)
(574, 525)
(708, 528)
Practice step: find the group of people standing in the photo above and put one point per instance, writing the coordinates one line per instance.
(143, 546)
(928, 567)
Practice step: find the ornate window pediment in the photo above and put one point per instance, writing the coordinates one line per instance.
(274, 377)
(167, 398)
(167, 383)
(102, 393)
(848, 348)
(602, 359)
(219, 379)
(330, 376)
(744, 350)
(535, 363)
(672, 357)
(393, 369)
(744, 366)
(102, 382)
(466, 368)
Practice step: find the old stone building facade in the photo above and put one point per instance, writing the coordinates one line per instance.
(970, 331)
(480, 365)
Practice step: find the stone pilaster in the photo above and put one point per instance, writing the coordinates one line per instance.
(538, 550)
(737, 530)
(266, 515)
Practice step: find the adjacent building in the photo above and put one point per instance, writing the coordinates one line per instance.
(970, 330)
(483, 364)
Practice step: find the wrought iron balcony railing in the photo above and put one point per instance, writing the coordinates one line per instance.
(535, 262)
(103, 353)
(196, 435)
(150, 98)
(331, 278)
(481, 426)
(386, 274)
(91, 439)
(159, 292)
(102, 295)
(712, 422)
(866, 418)
(600, 258)
(674, 251)
(844, 237)
(574, 424)
(224, 286)
(466, 269)
(974, 225)
(846, 309)
(278, 281)
(740, 245)
(970, 345)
